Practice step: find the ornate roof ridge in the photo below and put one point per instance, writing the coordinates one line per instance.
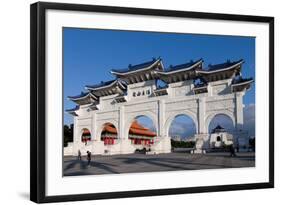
(82, 95)
(136, 67)
(103, 84)
(221, 67)
(183, 65)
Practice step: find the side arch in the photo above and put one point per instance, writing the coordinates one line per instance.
(79, 132)
(85, 135)
(211, 116)
(173, 115)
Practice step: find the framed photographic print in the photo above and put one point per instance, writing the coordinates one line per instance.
(129, 102)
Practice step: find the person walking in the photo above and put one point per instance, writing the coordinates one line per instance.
(232, 151)
(237, 147)
(79, 155)
(89, 157)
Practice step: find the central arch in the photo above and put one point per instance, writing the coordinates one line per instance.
(173, 115)
(182, 127)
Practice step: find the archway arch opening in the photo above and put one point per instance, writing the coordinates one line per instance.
(221, 121)
(142, 133)
(85, 136)
(109, 134)
(182, 130)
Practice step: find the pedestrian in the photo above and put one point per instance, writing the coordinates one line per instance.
(89, 157)
(237, 147)
(79, 155)
(232, 151)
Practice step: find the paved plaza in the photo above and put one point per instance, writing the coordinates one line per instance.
(132, 163)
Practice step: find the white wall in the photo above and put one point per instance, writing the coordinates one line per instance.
(14, 103)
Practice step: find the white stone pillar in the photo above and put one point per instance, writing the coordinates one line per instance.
(201, 127)
(202, 136)
(239, 118)
(75, 131)
(161, 118)
(76, 137)
(94, 128)
(121, 131)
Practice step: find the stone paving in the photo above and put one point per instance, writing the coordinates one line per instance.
(132, 163)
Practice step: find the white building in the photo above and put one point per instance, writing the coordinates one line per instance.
(219, 138)
(188, 89)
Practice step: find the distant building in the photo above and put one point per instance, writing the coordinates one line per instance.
(219, 137)
(139, 135)
(176, 138)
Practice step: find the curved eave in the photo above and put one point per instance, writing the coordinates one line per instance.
(106, 86)
(160, 89)
(72, 111)
(242, 83)
(219, 70)
(137, 70)
(180, 70)
(74, 98)
(202, 87)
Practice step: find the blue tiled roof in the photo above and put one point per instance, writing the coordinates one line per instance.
(82, 94)
(218, 129)
(135, 67)
(73, 109)
(228, 63)
(181, 66)
(101, 84)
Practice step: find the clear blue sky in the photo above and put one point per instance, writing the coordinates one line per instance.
(89, 54)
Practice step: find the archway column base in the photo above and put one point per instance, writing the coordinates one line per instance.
(127, 147)
(163, 145)
(201, 143)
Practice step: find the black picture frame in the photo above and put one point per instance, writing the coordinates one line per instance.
(38, 101)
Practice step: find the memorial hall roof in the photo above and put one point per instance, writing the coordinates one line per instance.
(218, 128)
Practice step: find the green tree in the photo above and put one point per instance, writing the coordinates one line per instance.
(67, 134)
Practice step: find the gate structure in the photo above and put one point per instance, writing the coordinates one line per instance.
(149, 89)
